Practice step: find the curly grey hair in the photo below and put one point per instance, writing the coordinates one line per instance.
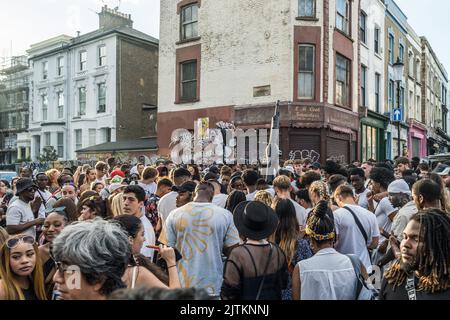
(99, 248)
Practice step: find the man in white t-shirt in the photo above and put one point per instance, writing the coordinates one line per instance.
(250, 178)
(350, 239)
(202, 232)
(282, 187)
(168, 202)
(133, 202)
(22, 215)
(357, 179)
(147, 182)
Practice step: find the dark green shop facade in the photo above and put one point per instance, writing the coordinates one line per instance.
(373, 136)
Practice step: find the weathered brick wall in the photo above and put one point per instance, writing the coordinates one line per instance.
(137, 85)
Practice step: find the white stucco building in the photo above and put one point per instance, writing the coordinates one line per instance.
(81, 93)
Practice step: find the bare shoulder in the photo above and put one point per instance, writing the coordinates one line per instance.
(148, 279)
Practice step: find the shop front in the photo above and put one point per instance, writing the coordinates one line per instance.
(417, 139)
(315, 131)
(392, 153)
(373, 136)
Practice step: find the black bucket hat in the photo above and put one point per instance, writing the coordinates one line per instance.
(255, 220)
(23, 184)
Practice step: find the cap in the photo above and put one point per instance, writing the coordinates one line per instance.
(399, 186)
(316, 165)
(117, 173)
(445, 172)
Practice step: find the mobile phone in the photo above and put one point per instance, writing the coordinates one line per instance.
(178, 255)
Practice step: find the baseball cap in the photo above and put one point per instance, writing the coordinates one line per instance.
(399, 186)
(445, 172)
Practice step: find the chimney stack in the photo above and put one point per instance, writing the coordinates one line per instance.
(112, 18)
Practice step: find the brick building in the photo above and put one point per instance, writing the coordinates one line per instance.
(232, 60)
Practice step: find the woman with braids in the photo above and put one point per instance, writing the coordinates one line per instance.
(422, 271)
(289, 238)
(318, 191)
(328, 275)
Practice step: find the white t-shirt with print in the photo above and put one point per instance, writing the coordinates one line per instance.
(350, 238)
(200, 232)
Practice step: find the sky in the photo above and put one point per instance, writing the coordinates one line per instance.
(24, 22)
(431, 18)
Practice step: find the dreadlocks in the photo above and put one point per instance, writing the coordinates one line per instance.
(433, 258)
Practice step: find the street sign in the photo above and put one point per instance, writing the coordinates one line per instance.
(397, 115)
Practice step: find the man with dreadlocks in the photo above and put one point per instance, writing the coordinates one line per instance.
(422, 271)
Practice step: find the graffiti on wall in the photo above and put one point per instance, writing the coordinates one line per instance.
(313, 155)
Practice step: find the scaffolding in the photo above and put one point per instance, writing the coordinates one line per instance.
(14, 104)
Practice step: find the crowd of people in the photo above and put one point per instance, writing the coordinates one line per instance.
(372, 230)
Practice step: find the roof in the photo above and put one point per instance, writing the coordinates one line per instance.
(124, 30)
(126, 145)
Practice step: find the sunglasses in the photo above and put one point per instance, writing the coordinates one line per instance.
(14, 242)
(59, 210)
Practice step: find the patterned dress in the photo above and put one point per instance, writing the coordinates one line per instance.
(303, 252)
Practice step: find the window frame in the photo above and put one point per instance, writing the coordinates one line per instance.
(100, 98)
(60, 94)
(81, 102)
(60, 147)
(401, 53)
(47, 139)
(82, 64)
(304, 4)
(312, 72)
(60, 66)
(102, 58)
(377, 35)
(363, 84)
(44, 103)
(184, 24)
(78, 134)
(94, 142)
(363, 18)
(182, 82)
(345, 19)
(45, 70)
(377, 91)
(391, 42)
(347, 103)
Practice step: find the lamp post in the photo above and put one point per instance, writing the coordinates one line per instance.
(398, 78)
